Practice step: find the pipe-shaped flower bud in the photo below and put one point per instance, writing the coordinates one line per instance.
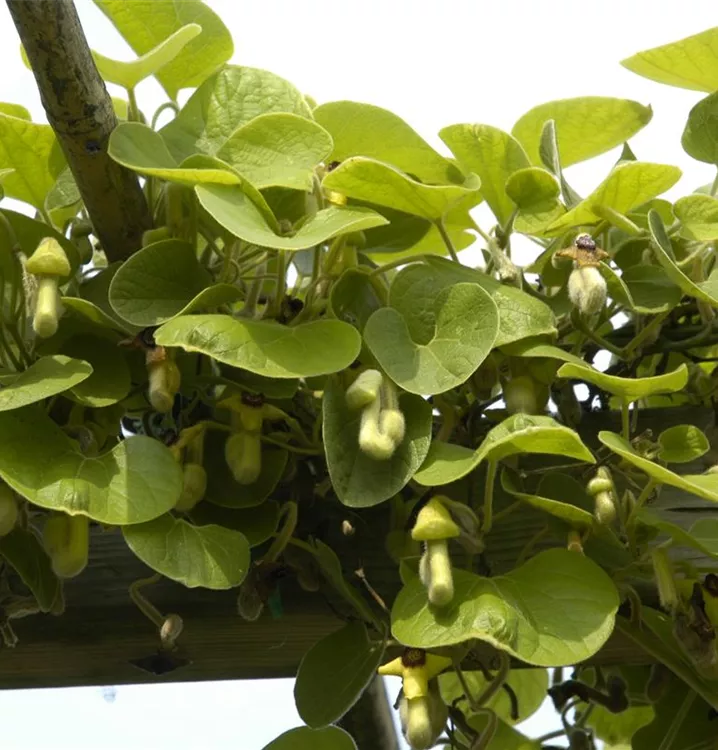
(602, 490)
(434, 526)
(67, 542)
(587, 290)
(422, 712)
(49, 264)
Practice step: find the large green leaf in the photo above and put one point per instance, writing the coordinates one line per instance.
(129, 74)
(650, 288)
(163, 280)
(703, 485)
(366, 130)
(23, 551)
(222, 488)
(705, 291)
(136, 481)
(32, 150)
(491, 154)
(15, 110)
(556, 609)
(520, 433)
(704, 541)
(429, 344)
(520, 314)
(538, 346)
(683, 721)
(277, 150)
(629, 185)
(258, 524)
(145, 24)
(110, 380)
(143, 150)
(564, 509)
(586, 126)
(529, 687)
(361, 481)
(229, 99)
(304, 738)
(617, 730)
(629, 389)
(208, 556)
(355, 296)
(319, 347)
(699, 137)
(682, 444)
(383, 185)
(233, 209)
(699, 216)
(690, 63)
(46, 377)
(334, 673)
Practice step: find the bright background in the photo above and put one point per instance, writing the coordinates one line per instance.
(434, 64)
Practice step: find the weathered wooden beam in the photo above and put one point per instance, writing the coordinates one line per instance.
(80, 111)
(101, 633)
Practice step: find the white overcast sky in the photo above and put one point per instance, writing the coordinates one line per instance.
(435, 64)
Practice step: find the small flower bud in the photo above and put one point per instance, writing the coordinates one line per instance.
(372, 440)
(364, 390)
(587, 289)
(243, 454)
(667, 593)
(171, 630)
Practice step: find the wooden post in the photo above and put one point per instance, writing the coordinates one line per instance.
(79, 109)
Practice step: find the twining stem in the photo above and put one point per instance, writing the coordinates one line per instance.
(290, 511)
(148, 610)
(447, 240)
(644, 334)
(487, 519)
(626, 419)
(280, 285)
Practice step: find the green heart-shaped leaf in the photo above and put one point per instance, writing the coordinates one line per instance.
(699, 216)
(539, 347)
(430, 345)
(147, 25)
(650, 288)
(136, 481)
(683, 721)
(355, 296)
(698, 138)
(520, 433)
(238, 214)
(520, 314)
(682, 443)
(138, 147)
(705, 543)
(208, 556)
(703, 485)
(492, 155)
(629, 185)
(706, 291)
(33, 152)
(44, 378)
(366, 130)
(164, 280)
(361, 481)
(586, 126)
(304, 738)
(277, 150)
(258, 524)
(129, 74)
(565, 511)
(229, 99)
(690, 63)
(535, 192)
(88, 311)
(629, 389)
(23, 551)
(334, 673)
(558, 608)
(528, 685)
(319, 347)
(617, 730)
(110, 381)
(15, 110)
(383, 185)
(224, 490)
